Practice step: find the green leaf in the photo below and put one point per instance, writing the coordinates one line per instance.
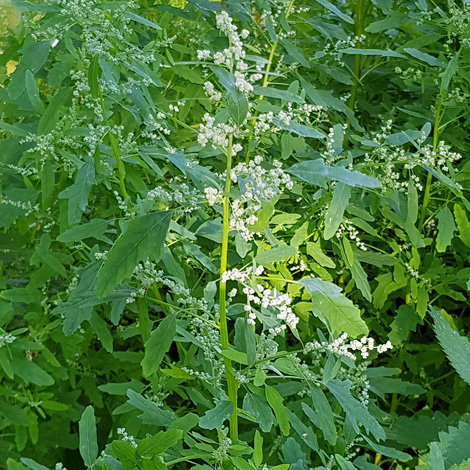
(456, 347)
(139, 19)
(236, 100)
(405, 321)
(125, 452)
(236, 356)
(259, 408)
(158, 345)
(462, 223)
(78, 192)
(329, 6)
(423, 57)
(33, 465)
(317, 173)
(276, 254)
(144, 237)
(276, 403)
(52, 114)
(334, 214)
(215, 418)
(360, 278)
(449, 72)
(412, 216)
(378, 52)
(237, 104)
(101, 330)
(33, 92)
(334, 309)
(283, 95)
(387, 451)
(151, 413)
(88, 439)
(436, 461)
(299, 129)
(305, 432)
(158, 444)
(445, 229)
(454, 444)
(93, 229)
(30, 372)
(323, 416)
(258, 449)
(355, 411)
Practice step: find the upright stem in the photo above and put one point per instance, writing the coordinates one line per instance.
(435, 141)
(273, 50)
(361, 8)
(231, 382)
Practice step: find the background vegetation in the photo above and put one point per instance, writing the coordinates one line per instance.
(234, 235)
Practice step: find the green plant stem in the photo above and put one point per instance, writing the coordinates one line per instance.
(231, 382)
(273, 50)
(435, 141)
(361, 8)
(266, 76)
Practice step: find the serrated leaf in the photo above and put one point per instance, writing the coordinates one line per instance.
(445, 229)
(151, 413)
(323, 416)
(158, 345)
(144, 237)
(316, 172)
(77, 193)
(334, 309)
(88, 438)
(215, 418)
(456, 347)
(304, 432)
(356, 412)
(454, 444)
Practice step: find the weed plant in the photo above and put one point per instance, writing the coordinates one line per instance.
(234, 235)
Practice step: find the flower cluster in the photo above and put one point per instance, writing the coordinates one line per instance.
(393, 160)
(261, 302)
(185, 199)
(126, 437)
(257, 185)
(341, 348)
(241, 276)
(352, 233)
(6, 338)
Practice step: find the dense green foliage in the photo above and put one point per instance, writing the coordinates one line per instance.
(234, 235)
